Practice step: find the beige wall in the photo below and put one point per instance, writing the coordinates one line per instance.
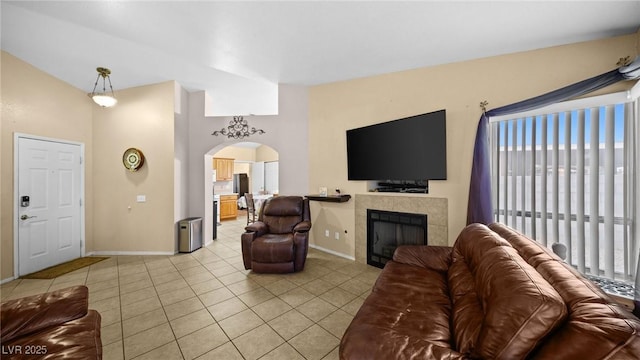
(36, 103)
(266, 153)
(237, 153)
(458, 88)
(143, 119)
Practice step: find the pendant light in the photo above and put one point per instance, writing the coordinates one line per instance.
(103, 98)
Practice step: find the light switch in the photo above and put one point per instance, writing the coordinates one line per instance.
(141, 198)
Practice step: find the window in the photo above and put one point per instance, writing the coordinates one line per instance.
(567, 173)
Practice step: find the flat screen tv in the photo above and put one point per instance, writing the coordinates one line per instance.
(408, 149)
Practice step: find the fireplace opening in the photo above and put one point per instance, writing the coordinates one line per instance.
(386, 230)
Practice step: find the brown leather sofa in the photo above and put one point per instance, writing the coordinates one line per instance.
(495, 294)
(279, 241)
(53, 325)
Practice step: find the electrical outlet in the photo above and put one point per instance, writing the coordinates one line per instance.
(326, 233)
(337, 235)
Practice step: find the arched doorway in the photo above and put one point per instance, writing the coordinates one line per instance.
(254, 168)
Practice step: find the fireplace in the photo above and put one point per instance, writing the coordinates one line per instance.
(386, 230)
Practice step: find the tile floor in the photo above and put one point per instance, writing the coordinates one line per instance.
(204, 305)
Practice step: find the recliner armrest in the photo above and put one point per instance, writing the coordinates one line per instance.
(30, 314)
(257, 227)
(304, 226)
(436, 258)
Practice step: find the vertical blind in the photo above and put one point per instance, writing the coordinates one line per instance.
(566, 174)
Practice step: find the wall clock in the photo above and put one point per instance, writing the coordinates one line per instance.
(133, 159)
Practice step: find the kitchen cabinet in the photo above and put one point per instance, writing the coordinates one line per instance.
(228, 207)
(224, 169)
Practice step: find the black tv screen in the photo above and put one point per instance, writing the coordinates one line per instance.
(408, 149)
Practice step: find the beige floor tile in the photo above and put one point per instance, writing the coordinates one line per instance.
(71, 277)
(170, 351)
(333, 355)
(223, 310)
(182, 308)
(163, 277)
(258, 342)
(255, 297)
(244, 286)
(130, 287)
(113, 351)
(140, 307)
(139, 295)
(353, 306)
(355, 286)
(111, 333)
(143, 322)
(215, 296)
(110, 317)
(176, 295)
(203, 275)
(159, 307)
(111, 303)
(335, 278)
(318, 286)
(202, 341)
(103, 294)
(206, 286)
(316, 309)
(280, 287)
(192, 322)
(170, 286)
(133, 278)
(284, 351)
(271, 309)
(336, 323)
(290, 324)
(102, 285)
(190, 268)
(314, 343)
(297, 296)
(131, 269)
(240, 323)
(232, 278)
(63, 285)
(147, 340)
(226, 351)
(338, 297)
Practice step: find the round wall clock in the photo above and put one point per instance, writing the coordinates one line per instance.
(133, 159)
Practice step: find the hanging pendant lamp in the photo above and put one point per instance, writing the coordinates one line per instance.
(103, 98)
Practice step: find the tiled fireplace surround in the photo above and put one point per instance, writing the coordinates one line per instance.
(435, 208)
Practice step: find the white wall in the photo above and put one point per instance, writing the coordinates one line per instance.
(287, 133)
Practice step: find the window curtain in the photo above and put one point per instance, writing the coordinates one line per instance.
(480, 208)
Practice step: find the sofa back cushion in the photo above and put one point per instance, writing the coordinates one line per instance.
(503, 308)
(596, 327)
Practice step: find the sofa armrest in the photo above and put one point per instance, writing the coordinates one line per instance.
(436, 258)
(30, 314)
(303, 227)
(257, 227)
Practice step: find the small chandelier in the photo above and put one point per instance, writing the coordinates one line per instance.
(103, 98)
(238, 129)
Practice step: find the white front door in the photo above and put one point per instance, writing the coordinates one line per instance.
(49, 203)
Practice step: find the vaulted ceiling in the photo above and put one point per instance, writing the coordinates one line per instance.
(240, 51)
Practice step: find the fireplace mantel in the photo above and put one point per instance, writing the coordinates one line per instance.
(435, 208)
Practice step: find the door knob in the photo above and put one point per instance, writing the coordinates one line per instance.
(25, 217)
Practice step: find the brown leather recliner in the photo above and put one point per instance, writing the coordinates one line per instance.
(278, 242)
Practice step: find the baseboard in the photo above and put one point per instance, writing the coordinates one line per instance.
(138, 253)
(7, 280)
(332, 252)
(208, 242)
